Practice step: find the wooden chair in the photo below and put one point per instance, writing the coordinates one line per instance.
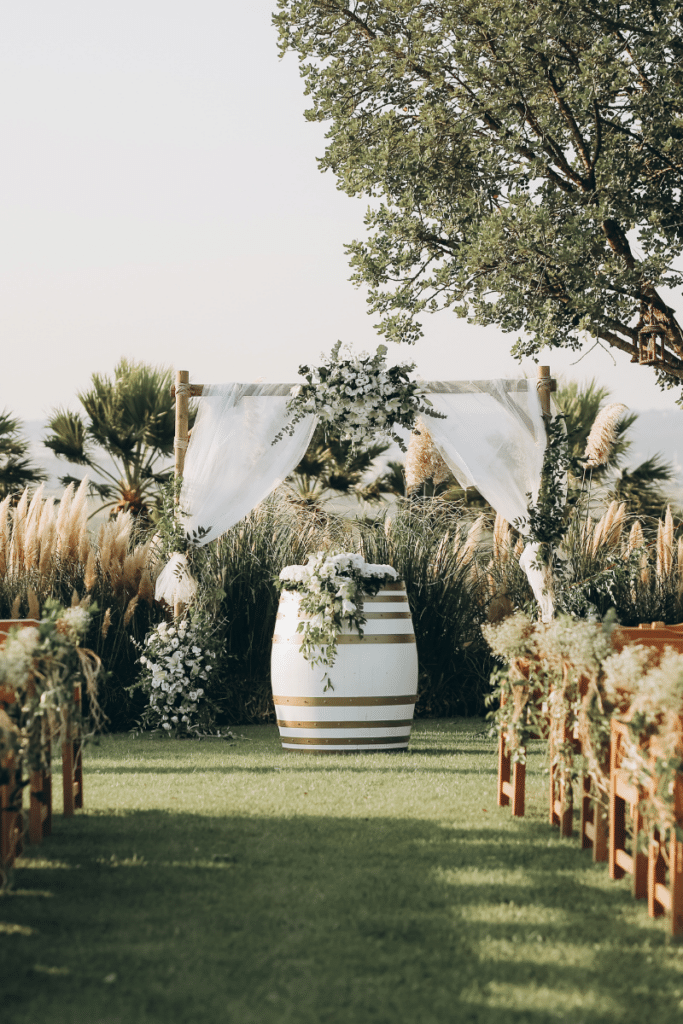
(512, 774)
(511, 780)
(623, 792)
(11, 810)
(593, 822)
(40, 782)
(666, 896)
(561, 801)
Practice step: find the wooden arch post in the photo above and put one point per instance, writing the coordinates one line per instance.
(544, 385)
(182, 413)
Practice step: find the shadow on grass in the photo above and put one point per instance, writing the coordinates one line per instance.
(289, 764)
(179, 918)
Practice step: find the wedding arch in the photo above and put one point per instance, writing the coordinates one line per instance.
(492, 436)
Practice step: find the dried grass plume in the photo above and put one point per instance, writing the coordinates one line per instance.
(603, 435)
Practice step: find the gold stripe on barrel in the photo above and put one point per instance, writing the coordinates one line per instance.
(343, 741)
(344, 702)
(352, 638)
(387, 615)
(397, 723)
(368, 615)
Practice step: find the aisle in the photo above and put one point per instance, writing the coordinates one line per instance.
(210, 883)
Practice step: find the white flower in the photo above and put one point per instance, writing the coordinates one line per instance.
(196, 650)
(165, 725)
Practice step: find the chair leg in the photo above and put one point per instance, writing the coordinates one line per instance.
(600, 826)
(593, 824)
(40, 811)
(676, 883)
(617, 828)
(503, 772)
(639, 859)
(656, 875)
(11, 816)
(78, 772)
(518, 788)
(68, 777)
(587, 813)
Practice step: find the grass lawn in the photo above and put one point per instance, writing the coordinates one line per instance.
(213, 882)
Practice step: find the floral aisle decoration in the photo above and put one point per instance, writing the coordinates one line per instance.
(332, 588)
(360, 398)
(41, 665)
(41, 668)
(564, 681)
(178, 663)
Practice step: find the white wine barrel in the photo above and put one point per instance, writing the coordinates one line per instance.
(374, 680)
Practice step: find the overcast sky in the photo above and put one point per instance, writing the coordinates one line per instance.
(160, 200)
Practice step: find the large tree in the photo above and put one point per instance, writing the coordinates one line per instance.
(524, 159)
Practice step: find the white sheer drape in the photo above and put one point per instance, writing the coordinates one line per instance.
(231, 465)
(493, 439)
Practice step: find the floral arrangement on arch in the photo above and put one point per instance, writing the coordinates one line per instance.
(177, 662)
(361, 398)
(332, 588)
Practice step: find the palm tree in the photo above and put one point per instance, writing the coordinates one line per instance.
(580, 404)
(131, 419)
(16, 468)
(331, 466)
(642, 486)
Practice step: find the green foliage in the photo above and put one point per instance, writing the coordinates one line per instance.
(131, 419)
(548, 517)
(641, 487)
(524, 161)
(17, 471)
(332, 466)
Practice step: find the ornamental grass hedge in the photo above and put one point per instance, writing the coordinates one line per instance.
(460, 571)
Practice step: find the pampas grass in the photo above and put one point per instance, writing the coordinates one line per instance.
(665, 542)
(423, 460)
(603, 435)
